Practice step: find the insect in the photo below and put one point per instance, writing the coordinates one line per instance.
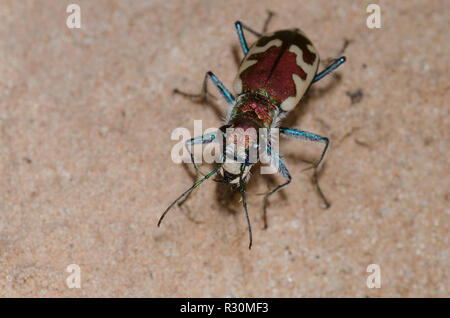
(274, 75)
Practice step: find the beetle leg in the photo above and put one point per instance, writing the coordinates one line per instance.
(334, 63)
(300, 134)
(241, 36)
(329, 69)
(204, 93)
(284, 172)
(270, 15)
(204, 139)
(188, 191)
(240, 26)
(244, 203)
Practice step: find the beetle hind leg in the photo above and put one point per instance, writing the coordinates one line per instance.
(241, 26)
(270, 15)
(319, 190)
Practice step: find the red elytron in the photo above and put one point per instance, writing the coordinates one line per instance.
(285, 54)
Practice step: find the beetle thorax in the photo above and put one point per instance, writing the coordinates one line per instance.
(251, 113)
(252, 110)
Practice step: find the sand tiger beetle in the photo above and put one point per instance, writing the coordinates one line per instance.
(275, 73)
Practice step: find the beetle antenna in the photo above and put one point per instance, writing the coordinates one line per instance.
(189, 191)
(244, 202)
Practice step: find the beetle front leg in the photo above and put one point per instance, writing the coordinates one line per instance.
(204, 93)
(300, 134)
(204, 139)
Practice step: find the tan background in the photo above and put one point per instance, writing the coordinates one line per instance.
(85, 169)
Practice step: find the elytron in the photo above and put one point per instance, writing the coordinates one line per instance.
(274, 75)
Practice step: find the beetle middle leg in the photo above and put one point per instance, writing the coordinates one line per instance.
(300, 134)
(202, 97)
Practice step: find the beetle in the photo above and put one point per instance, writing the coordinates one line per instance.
(274, 75)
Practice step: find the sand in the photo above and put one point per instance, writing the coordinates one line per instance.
(86, 117)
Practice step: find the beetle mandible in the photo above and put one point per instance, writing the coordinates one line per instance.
(274, 75)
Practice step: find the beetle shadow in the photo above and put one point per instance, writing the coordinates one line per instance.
(228, 196)
(237, 54)
(230, 200)
(210, 101)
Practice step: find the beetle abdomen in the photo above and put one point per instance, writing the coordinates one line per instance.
(282, 65)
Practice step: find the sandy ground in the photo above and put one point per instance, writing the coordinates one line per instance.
(86, 117)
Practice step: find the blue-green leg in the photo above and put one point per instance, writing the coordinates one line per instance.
(284, 172)
(204, 93)
(300, 134)
(188, 191)
(204, 139)
(329, 69)
(240, 31)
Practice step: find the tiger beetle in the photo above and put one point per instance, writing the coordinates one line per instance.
(274, 75)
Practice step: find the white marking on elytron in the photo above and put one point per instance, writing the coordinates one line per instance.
(300, 84)
(237, 84)
(255, 50)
